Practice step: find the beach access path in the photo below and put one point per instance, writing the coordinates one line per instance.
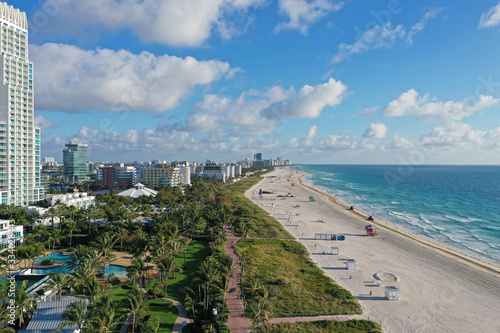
(438, 290)
(237, 322)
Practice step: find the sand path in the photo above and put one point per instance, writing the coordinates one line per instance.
(439, 291)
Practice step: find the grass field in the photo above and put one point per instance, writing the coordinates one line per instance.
(295, 285)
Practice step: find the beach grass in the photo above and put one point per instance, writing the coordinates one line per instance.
(295, 285)
(351, 326)
(260, 223)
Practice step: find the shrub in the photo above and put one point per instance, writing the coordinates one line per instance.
(151, 324)
(47, 262)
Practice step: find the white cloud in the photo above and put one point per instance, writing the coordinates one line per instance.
(43, 122)
(368, 112)
(411, 103)
(460, 135)
(303, 13)
(311, 134)
(382, 36)
(111, 80)
(185, 23)
(376, 131)
(490, 18)
(309, 102)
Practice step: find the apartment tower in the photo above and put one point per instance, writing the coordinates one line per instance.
(19, 138)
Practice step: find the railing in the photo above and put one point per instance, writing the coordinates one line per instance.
(38, 284)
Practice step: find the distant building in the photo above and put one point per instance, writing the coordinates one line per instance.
(163, 175)
(6, 232)
(49, 162)
(119, 175)
(77, 199)
(75, 159)
(257, 156)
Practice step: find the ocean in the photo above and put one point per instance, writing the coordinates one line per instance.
(458, 206)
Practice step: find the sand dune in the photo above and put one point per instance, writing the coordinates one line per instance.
(440, 290)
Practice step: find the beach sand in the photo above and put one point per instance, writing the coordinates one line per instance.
(440, 290)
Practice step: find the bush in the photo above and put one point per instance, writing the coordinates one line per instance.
(221, 327)
(151, 324)
(47, 262)
(127, 284)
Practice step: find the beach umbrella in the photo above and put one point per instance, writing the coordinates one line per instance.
(311, 198)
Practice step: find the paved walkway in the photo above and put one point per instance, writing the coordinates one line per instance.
(237, 321)
(183, 316)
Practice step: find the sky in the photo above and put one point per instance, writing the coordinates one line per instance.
(313, 81)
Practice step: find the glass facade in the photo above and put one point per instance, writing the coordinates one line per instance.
(75, 162)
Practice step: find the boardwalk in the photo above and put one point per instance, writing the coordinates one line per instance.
(237, 321)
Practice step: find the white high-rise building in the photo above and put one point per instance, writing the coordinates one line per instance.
(19, 138)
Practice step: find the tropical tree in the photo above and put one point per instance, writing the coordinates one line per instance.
(93, 213)
(52, 213)
(133, 303)
(24, 304)
(206, 277)
(185, 242)
(105, 243)
(140, 268)
(75, 313)
(4, 319)
(55, 238)
(121, 234)
(59, 281)
(70, 227)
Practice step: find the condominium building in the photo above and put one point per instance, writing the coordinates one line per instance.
(8, 231)
(19, 138)
(75, 162)
(77, 199)
(118, 175)
(163, 175)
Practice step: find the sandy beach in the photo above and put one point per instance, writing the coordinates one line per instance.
(440, 290)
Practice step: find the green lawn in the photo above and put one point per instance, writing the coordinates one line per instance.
(166, 311)
(296, 286)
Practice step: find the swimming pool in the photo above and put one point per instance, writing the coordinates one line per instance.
(32, 279)
(119, 271)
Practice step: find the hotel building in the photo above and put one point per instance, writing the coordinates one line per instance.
(19, 138)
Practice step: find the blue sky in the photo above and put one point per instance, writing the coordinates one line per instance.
(315, 81)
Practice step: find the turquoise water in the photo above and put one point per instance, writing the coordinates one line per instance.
(119, 271)
(55, 256)
(455, 205)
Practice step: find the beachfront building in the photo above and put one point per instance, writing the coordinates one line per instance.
(392, 293)
(161, 175)
(9, 230)
(77, 199)
(19, 138)
(75, 161)
(43, 217)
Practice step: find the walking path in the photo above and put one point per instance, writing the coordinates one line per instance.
(237, 321)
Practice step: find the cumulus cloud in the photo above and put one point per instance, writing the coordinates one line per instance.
(382, 36)
(460, 135)
(376, 131)
(111, 80)
(303, 13)
(309, 101)
(411, 103)
(491, 18)
(184, 23)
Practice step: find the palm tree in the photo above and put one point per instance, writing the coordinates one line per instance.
(133, 303)
(105, 243)
(70, 226)
(23, 303)
(75, 313)
(61, 211)
(54, 238)
(52, 213)
(191, 297)
(185, 242)
(59, 281)
(10, 210)
(4, 319)
(138, 266)
(206, 276)
(121, 234)
(93, 213)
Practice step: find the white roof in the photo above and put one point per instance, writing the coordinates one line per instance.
(138, 190)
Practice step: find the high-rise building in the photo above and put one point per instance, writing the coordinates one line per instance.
(19, 138)
(75, 162)
(257, 156)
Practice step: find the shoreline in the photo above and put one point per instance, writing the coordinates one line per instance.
(444, 248)
(438, 290)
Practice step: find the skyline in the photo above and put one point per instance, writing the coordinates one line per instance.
(317, 81)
